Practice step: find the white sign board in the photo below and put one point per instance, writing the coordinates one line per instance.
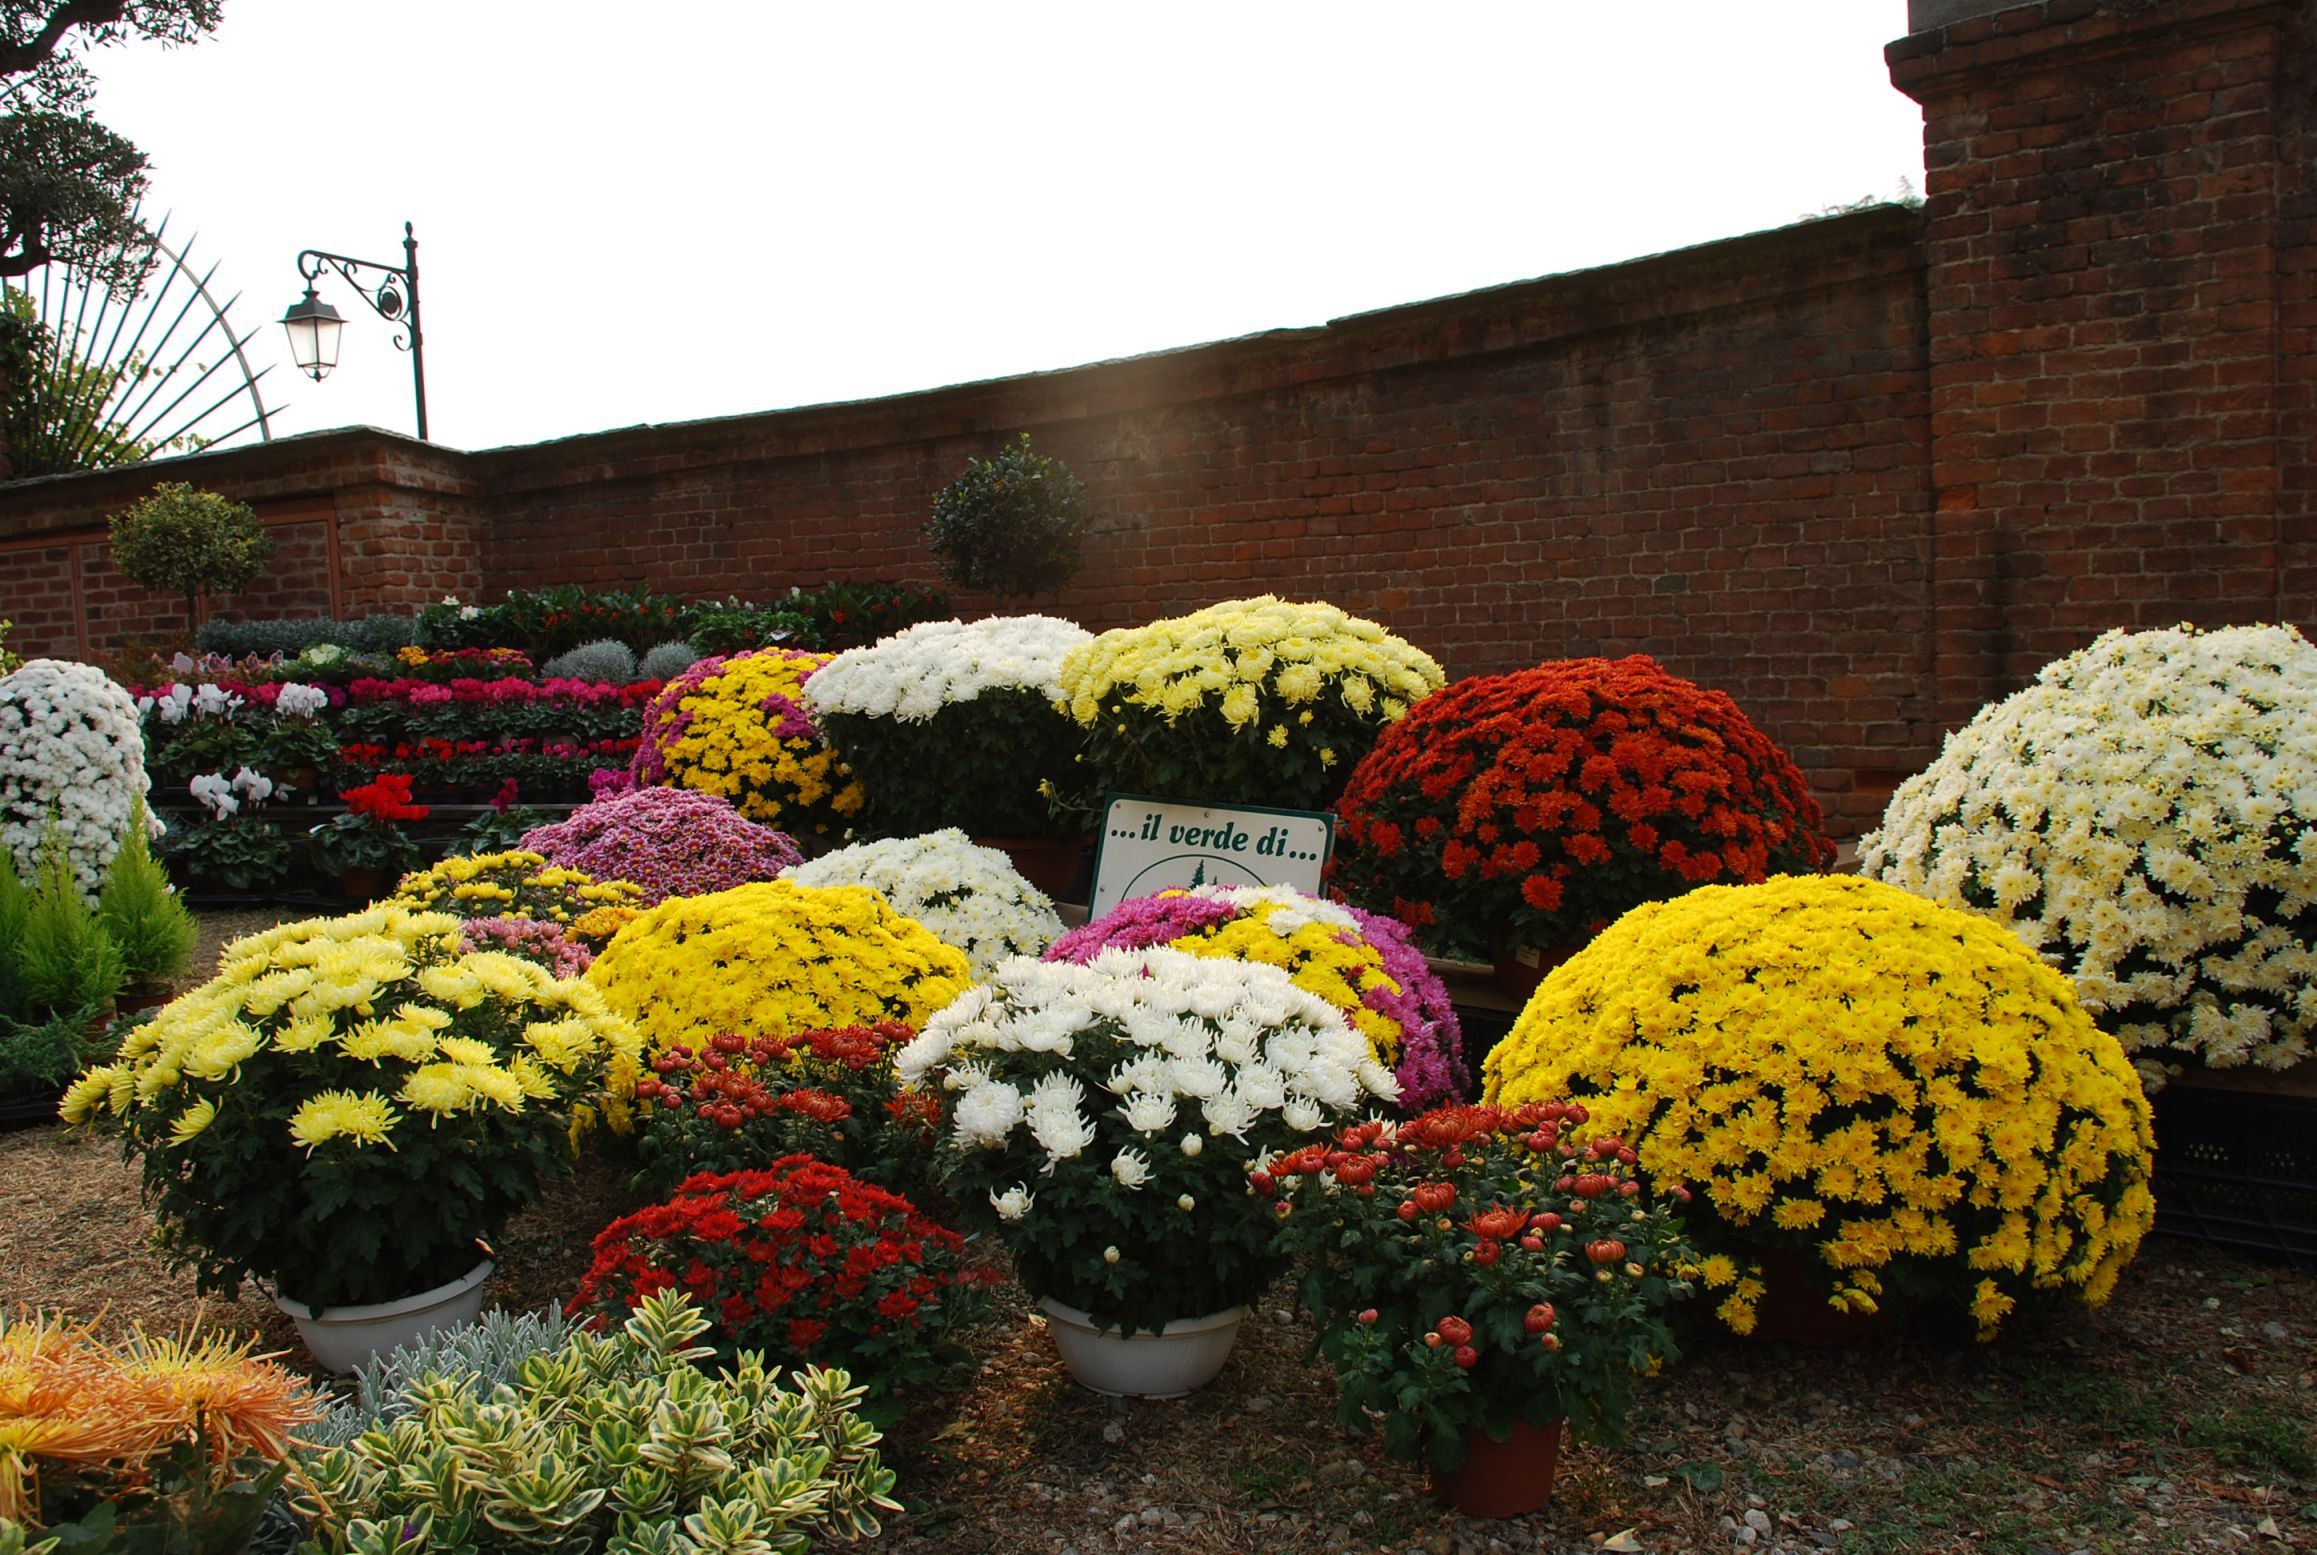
(1151, 845)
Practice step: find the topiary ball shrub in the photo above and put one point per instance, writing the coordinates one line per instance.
(1010, 524)
(1895, 1091)
(665, 842)
(774, 959)
(1361, 963)
(70, 747)
(1532, 809)
(2145, 816)
(668, 660)
(737, 727)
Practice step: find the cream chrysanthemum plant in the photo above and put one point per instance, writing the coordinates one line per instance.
(1255, 701)
(70, 747)
(917, 672)
(2145, 817)
(350, 1103)
(972, 898)
(953, 723)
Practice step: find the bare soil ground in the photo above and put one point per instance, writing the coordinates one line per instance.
(2178, 1418)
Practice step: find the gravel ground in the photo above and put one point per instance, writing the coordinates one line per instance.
(2178, 1418)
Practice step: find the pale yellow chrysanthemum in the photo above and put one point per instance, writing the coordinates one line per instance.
(222, 1052)
(364, 1117)
(192, 1121)
(92, 1090)
(437, 1088)
(467, 1050)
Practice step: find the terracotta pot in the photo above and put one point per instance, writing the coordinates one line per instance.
(363, 885)
(1793, 1307)
(1519, 968)
(138, 1003)
(1180, 1358)
(1049, 863)
(1502, 1479)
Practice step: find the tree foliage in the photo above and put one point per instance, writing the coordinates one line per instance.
(69, 186)
(187, 542)
(1012, 524)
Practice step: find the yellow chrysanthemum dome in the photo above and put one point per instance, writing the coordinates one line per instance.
(771, 959)
(1896, 1088)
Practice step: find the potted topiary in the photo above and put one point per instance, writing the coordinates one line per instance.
(177, 540)
(348, 1108)
(1011, 524)
(146, 919)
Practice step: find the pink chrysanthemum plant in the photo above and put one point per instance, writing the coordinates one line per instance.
(665, 841)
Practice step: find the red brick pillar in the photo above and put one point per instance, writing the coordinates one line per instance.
(2117, 221)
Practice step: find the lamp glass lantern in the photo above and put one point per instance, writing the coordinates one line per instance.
(313, 327)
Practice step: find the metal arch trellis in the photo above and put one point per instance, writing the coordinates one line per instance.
(114, 402)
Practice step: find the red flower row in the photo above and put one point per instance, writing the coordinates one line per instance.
(385, 798)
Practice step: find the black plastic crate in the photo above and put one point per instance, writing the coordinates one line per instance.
(2238, 1168)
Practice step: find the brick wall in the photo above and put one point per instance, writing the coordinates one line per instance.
(1864, 473)
(2115, 368)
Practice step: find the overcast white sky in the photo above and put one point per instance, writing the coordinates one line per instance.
(633, 213)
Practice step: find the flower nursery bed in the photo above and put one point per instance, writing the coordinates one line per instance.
(2175, 1418)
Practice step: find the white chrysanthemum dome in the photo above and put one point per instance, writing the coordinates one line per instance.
(2145, 816)
(69, 747)
(971, 898)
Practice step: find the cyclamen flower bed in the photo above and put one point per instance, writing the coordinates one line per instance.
(1362, 963)
(666, 841)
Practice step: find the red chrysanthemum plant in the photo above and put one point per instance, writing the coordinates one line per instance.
(805, 1263)
(1535, 808)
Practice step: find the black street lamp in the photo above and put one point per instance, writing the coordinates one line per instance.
(314, 325)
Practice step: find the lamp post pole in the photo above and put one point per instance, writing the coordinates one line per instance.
(314, 324)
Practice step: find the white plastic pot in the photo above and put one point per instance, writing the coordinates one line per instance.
(1180, 1358)
(342, 1338)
